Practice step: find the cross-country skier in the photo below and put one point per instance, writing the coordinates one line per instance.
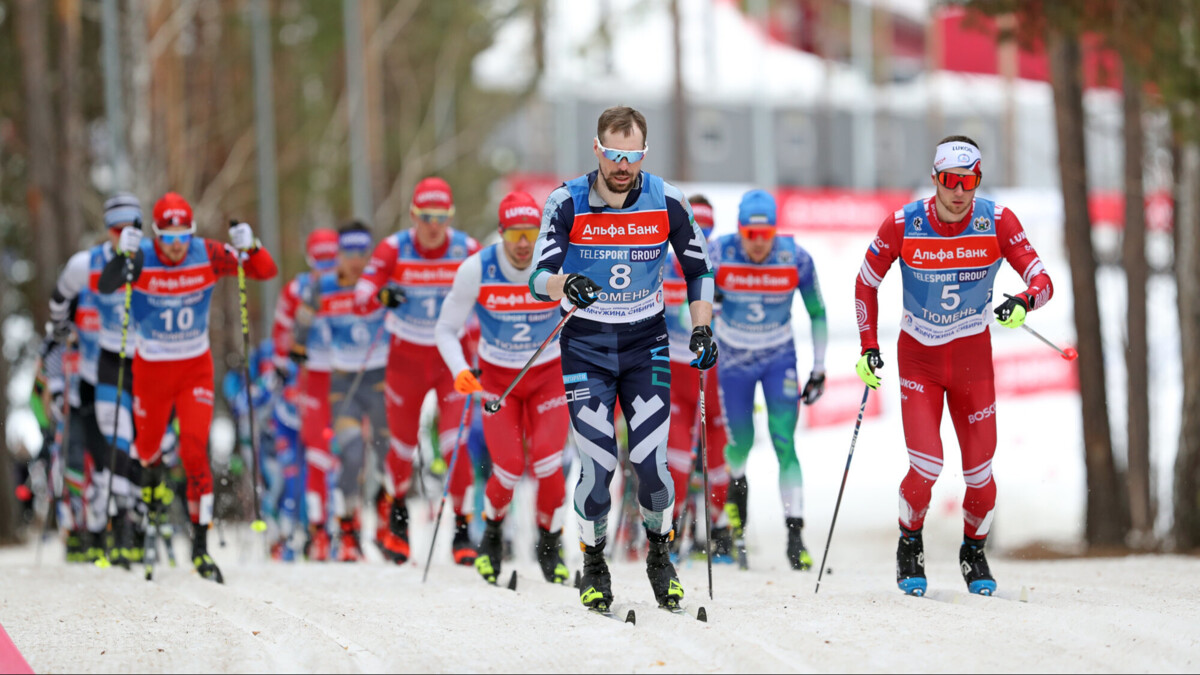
(495, 283)
(353, 333)
(98, 383)
(685, 390)
(173, 276)
(950, 247)
(758, 274)
(602, 248)
(294, 315)
(419, 264)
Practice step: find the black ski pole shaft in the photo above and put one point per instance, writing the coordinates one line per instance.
(458, 450)
(259, 525)
(493, 406)
(112, 441)
(862, 408)
(704, 473)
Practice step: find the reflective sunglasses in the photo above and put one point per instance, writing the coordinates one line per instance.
(631, 156)
(171, 238)
(756, 232)
(434, 218)
(968, 181)
(515, 234)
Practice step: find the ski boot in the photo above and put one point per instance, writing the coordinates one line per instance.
(910, 563)
(491, 556)
(663, 580)
(316, 549)
(735, 510)
(974, 565)
(463, 549)
(349, 548)
(76, 548)
(201, 560)
(394, 544)
(135, 550)
(595, 585)
(383, 509)
(122, 539)
(94, 549)
(722, 546)
(549, 557)
(797, 555)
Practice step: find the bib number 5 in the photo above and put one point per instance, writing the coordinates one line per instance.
(950, 297)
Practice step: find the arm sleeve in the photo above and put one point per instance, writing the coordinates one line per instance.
(553, 239)
(112, 277)
(881, 253)
(1019, 253)
(74, 278)
(810, 290)
(224, 261)
(690, 247)
(456, 308)
(285, 322)
(379, 270)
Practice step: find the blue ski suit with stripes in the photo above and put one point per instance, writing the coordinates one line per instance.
(617, 349)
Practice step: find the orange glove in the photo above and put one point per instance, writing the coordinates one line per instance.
(466, 383)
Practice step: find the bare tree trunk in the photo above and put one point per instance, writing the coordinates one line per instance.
(1187, 277)
(8, 506)
(678, 103)
(41, 151)
(1141, 495)
(1105, 514)
(71, 169)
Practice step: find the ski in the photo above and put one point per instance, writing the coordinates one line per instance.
(150, 541)
(739, 547)
(610, 613)
(958, 597)
(512, 582)
(701, 614)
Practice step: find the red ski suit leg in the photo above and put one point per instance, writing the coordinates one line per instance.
(682, 443)
(412, 370)
(186, 386)
(961, 373)
(313, 423)
(534, 416)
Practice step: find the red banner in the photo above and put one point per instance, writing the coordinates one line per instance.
(1037, 370)
(840, 402)
(829, 210)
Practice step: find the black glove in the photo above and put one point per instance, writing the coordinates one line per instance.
(581, 291)
(298, 355)
(1006, 309)
(813, 388)
(60, 332)
(718, 296)
(704, 347)
(392, 296)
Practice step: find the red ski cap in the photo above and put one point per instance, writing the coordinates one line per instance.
(519, 208)
(433, 195)
(172, 211)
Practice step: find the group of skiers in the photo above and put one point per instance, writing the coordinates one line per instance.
(613, 296)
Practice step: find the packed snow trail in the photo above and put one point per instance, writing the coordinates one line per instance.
(1130, 614)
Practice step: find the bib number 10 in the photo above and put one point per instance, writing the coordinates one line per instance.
(180, 318)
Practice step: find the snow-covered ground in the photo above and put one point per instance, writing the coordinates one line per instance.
(1109, 615)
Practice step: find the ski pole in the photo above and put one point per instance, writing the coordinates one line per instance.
(103, 561)
(458, 450)
(493, 406)
(1069, 353)
(862, 408)
(704, 472)
(259, 525)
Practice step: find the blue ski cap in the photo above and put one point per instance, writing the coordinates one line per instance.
(757, 208)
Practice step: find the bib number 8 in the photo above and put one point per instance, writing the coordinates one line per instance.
(620, 276)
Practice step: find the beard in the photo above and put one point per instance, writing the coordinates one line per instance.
(613, 186)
